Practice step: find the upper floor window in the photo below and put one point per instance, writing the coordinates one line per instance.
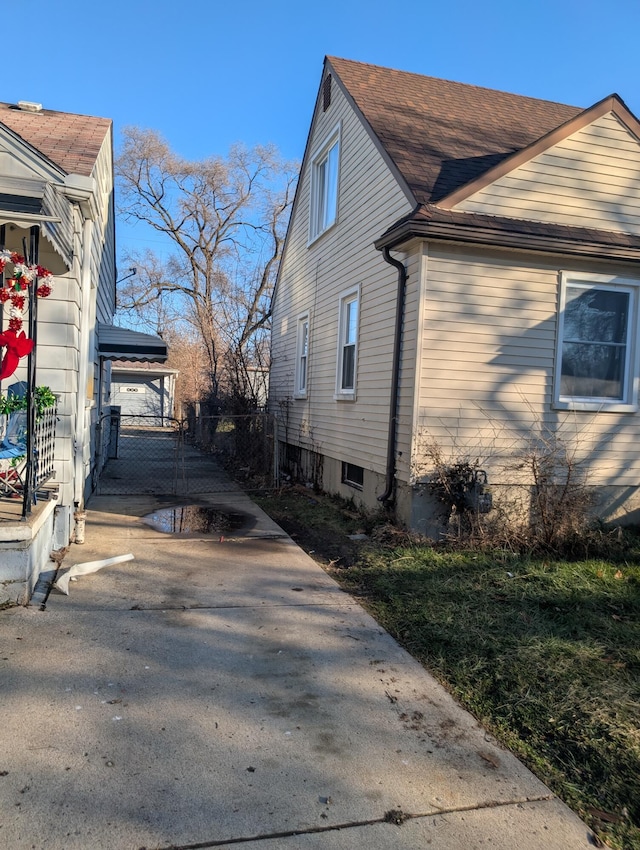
(302, 357)
(324, 186)
(596, 359)
(348, 344)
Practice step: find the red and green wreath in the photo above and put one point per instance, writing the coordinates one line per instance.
(15, 291)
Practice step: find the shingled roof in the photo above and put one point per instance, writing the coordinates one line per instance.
(442, 134)
(446, 138)
(72, 142)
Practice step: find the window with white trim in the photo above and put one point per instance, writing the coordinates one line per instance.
(324, 186)
(596, 361)
(302, 356)
(348, 344)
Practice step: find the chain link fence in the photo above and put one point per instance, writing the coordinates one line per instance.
(138, 456)
(245, 446)
(200, 454)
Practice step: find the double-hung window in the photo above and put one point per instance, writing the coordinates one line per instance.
(302, 357)
(348, 344)
(596, 362)
(324, 186)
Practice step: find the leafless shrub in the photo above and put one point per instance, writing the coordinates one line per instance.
(545, 508)
(560, 499)
(388, 534)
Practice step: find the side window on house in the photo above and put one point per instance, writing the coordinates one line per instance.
(348, 344)
(596, 356)
(352, 475)
(324, 186)
(302, 357)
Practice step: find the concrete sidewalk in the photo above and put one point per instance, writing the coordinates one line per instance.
(213, 693)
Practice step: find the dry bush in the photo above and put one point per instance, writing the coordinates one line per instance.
(548, 510)
(388, 534)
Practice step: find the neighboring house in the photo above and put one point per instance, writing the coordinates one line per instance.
(56, 204)
(462, 268)
(144, 389)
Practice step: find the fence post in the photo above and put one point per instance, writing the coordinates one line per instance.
(114, 431)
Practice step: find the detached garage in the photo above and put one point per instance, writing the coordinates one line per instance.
(144, 389)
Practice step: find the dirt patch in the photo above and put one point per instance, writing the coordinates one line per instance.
(328, 549)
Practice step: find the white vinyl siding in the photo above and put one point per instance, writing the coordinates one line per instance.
(313, 276)
(59, 234)
(59, 357)
(590, 179)
(488, 355)
(103, 249)
(59, 320)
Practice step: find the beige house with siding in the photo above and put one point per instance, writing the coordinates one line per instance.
(462, 268)
(56, 200)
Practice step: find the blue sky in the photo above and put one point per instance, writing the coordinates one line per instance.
(207, 73)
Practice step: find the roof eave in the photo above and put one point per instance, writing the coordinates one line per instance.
(499, 238)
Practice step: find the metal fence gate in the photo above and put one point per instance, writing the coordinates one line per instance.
(138, 454)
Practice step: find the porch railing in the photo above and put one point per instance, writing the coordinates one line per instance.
(24, 472)
(45, 439)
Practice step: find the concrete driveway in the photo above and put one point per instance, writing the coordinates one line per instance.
(219, 690)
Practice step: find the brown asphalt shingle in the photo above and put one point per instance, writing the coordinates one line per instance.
(442, 134)
(72, 142)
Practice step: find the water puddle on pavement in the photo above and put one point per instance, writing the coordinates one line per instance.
(194, 519)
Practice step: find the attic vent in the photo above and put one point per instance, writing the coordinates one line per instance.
(326, 93)
(29, 106)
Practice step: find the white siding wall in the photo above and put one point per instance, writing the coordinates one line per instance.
(60, 234)
(103, 249)
(486, 368)
(102, 295)
(58, 358)
(59, 319)
(590, 179)
(311, 279)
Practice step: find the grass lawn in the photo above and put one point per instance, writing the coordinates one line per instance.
(546, 653)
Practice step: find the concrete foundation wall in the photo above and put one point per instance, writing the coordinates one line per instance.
(417, 509)
(24, 552)
(367, 497)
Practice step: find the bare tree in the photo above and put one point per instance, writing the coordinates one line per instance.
(225, 220)
(188, 355)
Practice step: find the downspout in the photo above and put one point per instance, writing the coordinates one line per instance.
(395, 377)
(83, 368)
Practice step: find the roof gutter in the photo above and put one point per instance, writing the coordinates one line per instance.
(499, 238)
(386, 497)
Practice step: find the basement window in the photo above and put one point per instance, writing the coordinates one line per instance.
(352, 475)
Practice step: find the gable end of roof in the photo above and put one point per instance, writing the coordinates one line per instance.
(613, 103)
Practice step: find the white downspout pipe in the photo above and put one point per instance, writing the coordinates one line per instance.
(80, 436)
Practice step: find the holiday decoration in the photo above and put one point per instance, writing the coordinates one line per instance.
(18, 345)
(15, 291)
